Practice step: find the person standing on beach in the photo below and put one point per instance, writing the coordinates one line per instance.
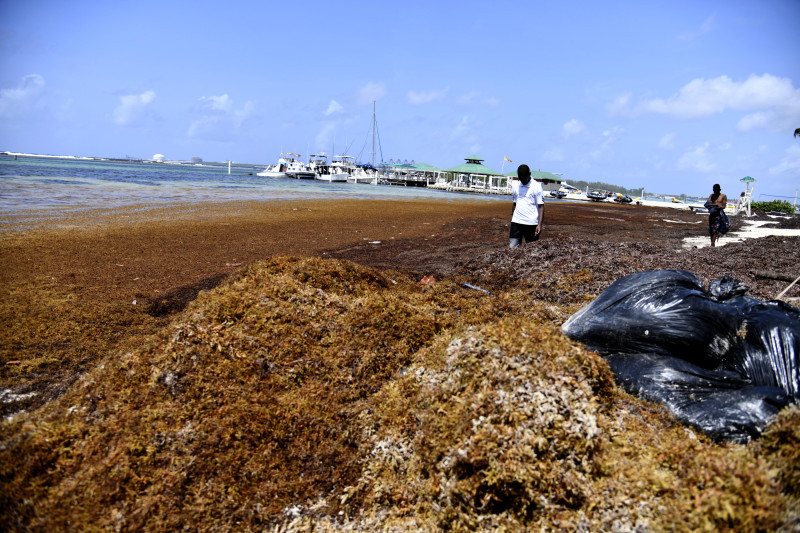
(528, 211)
(716, 217)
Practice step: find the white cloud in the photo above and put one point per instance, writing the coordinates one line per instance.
(219, 119)
(325, 135)
(701, 98)
(697, 159)
(333, 108)
(477, 98)
(606, 143)
(468, 98)
(755, 120)
(553, 154)
(217, 103)
(573, 127)
(416, 98)
(370, 92)
(667, 142)
(465, 132)
(789, 163)
(240, 115)
(620, 105)
(16, 101)
(132, 106)
(705, 27)
(461, 128)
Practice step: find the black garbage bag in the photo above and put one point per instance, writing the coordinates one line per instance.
(719, 360)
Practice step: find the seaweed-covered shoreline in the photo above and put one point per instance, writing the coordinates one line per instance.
(337, 392)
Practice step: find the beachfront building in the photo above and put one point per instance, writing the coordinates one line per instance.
(473, 176)
(549, 181)
(409, 174)
(429, 172)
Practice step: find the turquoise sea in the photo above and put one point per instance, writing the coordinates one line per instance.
(47, 184)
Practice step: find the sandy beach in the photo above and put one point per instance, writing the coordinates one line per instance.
(84, 296)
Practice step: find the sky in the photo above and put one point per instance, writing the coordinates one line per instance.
(671, 96)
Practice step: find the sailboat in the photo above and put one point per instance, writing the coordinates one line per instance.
(361, 173)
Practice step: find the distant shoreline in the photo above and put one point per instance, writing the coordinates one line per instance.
(129, 160)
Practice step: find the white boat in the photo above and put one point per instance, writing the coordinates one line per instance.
(289, 165)
(343, 165)
(363, 175)
(324, 171)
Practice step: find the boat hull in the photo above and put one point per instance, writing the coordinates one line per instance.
(332, 177)
(361, 177)
(269, 174)
(302, 175)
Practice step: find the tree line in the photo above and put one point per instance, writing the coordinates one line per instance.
(599, 185)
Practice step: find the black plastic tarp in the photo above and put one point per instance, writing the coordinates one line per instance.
(719, 360)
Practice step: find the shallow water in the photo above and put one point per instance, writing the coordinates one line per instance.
(42, 184)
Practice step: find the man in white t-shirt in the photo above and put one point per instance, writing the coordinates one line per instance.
(528, 210)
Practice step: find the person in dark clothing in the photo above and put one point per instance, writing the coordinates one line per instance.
(717, 219)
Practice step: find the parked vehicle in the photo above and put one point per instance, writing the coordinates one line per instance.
(596, 196)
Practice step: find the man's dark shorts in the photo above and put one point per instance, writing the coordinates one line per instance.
(518, 231)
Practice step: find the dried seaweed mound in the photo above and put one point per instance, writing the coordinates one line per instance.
(243, 405)
(512, 427)
(503, 429)
(305, 393)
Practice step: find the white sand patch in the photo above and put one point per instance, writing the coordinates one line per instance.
(681, 221)
(753, 229)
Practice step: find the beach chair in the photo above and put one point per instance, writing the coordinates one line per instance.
(744, 202)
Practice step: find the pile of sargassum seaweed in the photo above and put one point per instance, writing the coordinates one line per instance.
(317, 394)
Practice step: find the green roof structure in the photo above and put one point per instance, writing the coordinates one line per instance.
(473, 166)
(426, 167)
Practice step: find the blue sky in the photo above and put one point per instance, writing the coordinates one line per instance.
(673, 96)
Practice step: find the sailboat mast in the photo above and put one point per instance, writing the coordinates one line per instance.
(373, 134)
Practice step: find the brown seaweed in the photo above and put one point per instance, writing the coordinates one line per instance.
(318, 394)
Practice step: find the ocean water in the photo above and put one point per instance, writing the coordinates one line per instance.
(43, 184)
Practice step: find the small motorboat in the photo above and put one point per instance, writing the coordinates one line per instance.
(596, 196)
(288, 166)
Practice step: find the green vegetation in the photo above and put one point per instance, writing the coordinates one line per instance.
(781, 206)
